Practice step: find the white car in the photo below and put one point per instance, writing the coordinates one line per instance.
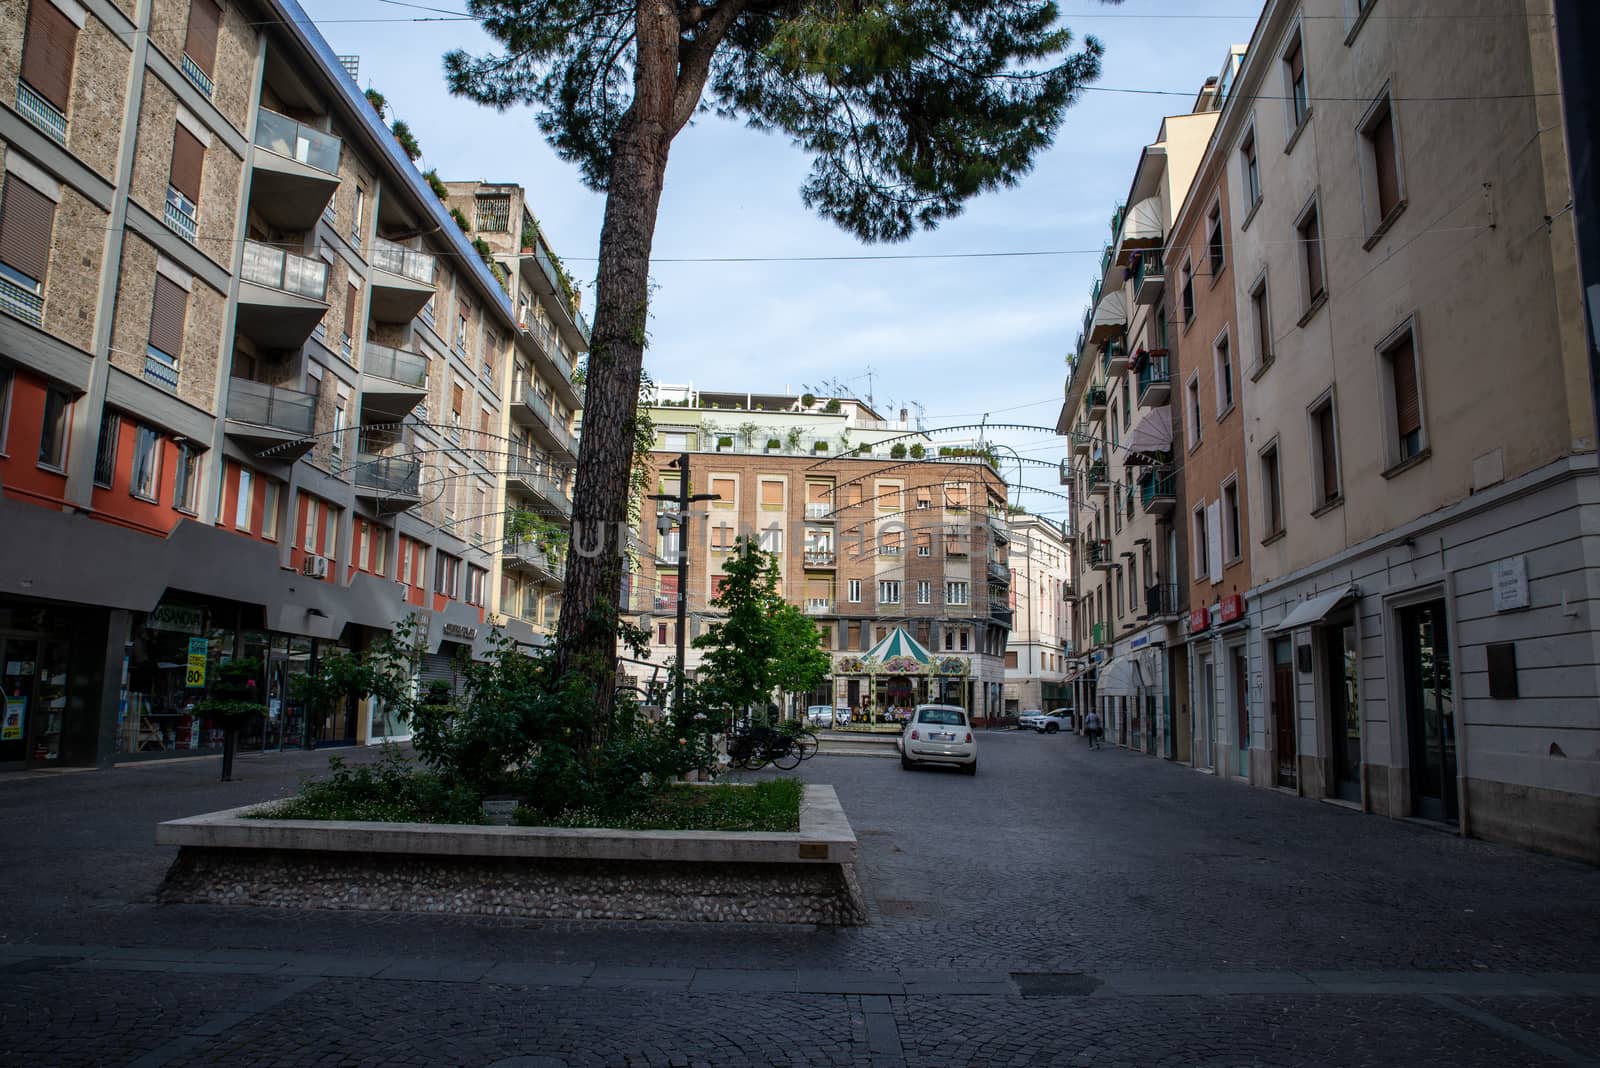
(1055, 721)
(939, 734)
(820, 715)
(1029, 720)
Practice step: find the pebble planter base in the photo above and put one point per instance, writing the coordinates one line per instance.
(226, 858)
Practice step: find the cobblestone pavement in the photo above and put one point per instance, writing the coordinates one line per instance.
(1062, 907)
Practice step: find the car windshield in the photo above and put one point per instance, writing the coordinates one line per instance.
(948, 717)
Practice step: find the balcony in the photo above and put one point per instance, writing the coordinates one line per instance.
(1000, 613)
(1117, 218)
(1097, 477)
(530, 409)
(181, 215)
(1068, 594)
(999, 572)
(388, 483)
(275, 422)
(1097, 554)
(1082, 441)
(281, 296)
(818, 606)
(1097, 633)
(819, 511)
(160, 369)
(40, 113)
(1114, 359)
(819, 558)
(401, 281)
(525, 555)
(1149, 274)
(393, 382)
(1158, 490)
(540, 271)
(1155, 379)
(530, 475)
(1000, 527)
(1161, 601)
(294, 174)
(200, 79)
(1095, 398)
(25, 302)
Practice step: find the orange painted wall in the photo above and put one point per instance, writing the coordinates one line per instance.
(326, 514)
(117, 505)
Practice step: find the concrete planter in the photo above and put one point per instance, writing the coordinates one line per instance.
(806, 876)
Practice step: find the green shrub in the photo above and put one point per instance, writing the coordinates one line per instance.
(897, 451)
(390, 791)
(917, 451)
(774, 443)
(832, 407)
(772, 805)
(807, 399)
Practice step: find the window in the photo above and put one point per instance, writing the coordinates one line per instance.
(889, 591)
(1405, 396)
(355, 216)
(1325, 453)
(493, 212)
(722, 537)
(1261, 322)
(461, 328)
(1294, 62)
(924, 591)
(771, 495)
(186, 481)
(726, 491)
(475, 577)
(200, 43)
(145, 474)
(167, 314)
(245, 499)
(183, 183)
(1272, 490)
(1251, 168)
(1194, 410)
(1011, 658)
(1161, 325)
(891, 539)
(1311, 256)
(330, 533)
(963, 640)
(53, 429)
(352, 308)
(675, 442)
(1215, 257)
(1116, 426)
(308, 540)
(446, 576)
(956, 593)
(853, 591)
(269, 510)
(923, 501)
(49, 48)
(1201, 541)
(949, 640)
(772, 539)
(341, 402)
(1382, 164)
(661, 634)
(1119, 593)
(105, 453)
(405, 560)
(1232, 537)
(5, 407)
(924, 543)
(1224, 369)
(1127, 403)
(26, 219)
(457, 403)
(1186, 283)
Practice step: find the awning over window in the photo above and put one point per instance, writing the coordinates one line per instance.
(1120, 677)
(1142, 229)
(1314, 610)
(1110, 317)
(1152, 433)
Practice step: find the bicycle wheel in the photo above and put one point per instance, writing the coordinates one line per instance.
(757, 758)
(808, 745)
(789, 757)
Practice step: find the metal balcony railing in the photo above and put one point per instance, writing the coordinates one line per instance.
(819, 557)
(1147, 266)
(1158, 483)
(15, 299)
(1098, 552)
(273, 406)
(1095, 396)
(397, 259)
(817, 606)
(1161, 600)
(999, 571)
(182, 215)
(1117, 219)
(202, 80)
(818, 511)
(1154, 371)
(278, 269)
(1096, 475)
(41, 114)
(160, 368)
(297, 141)
(397, 475)
(395, 365)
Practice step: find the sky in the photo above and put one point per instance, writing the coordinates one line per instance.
(965, 338)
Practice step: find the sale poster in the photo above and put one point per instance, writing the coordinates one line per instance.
(11, 725)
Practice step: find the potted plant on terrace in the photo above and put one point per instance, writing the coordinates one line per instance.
(897, 451)
(917, 451)
(793, 439)
(724, 443)
(773, 445)
(747, 433)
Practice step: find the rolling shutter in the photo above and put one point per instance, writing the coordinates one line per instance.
(188, 158)
(352, 301)
(1407, 410)
(166, 320)
(201, 42)
(1383, 158)
(1328, 448)
(25, 219)
(52, 44)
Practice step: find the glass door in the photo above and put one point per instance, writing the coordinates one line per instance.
(1241, 707)
(1430, 710)
(1207, 708)
(1340, 664)
(1283, 712)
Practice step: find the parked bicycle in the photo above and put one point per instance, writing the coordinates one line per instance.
(759, 746)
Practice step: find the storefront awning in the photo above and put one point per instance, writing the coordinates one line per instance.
(1152, 433)
(1315, 609)
(1120, 677)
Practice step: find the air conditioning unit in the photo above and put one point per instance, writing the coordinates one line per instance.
(316, 567)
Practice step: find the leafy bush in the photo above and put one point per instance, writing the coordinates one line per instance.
(772, 805)
(774, 443)
(917, 451)
(807, 399)
(832, 407)
(390, 791)
(897, 451)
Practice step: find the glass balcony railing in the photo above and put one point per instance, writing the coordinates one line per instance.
(182, 215)
(25, 302)
(41, 114)
(297, 141)
(263, 405)
(288, 271)
(397, 259)
(391, 474)
(395, 365)
(160, 369)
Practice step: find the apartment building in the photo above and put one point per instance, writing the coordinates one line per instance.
(1208, 385)
(1125, 467)
(1419, 434)
(245, 360)
(535, 446)
(882, 537)
(1040, 641)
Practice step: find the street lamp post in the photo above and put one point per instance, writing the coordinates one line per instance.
(683, 499)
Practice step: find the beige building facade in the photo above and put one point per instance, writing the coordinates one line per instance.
(1040, 642)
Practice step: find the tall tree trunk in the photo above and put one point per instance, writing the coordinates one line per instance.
(586, 638)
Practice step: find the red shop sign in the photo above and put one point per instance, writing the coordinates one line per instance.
(1233, 607)
(1199, 620)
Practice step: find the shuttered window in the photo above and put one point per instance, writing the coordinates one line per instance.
(105, 453)
(1407, 403)
(771, 494)
(200, 45)
(48, 52)
(1327, 454)
(352, 304)
(1381, 134)
(188, 158)
(167, 317)
(1299, 99)
(26, 216)
(1311, 246)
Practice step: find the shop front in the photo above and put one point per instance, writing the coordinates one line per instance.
(1134, 694)
(45, 720)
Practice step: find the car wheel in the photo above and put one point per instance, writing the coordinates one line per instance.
(970, 769)
(905, 762)
(1052, 728)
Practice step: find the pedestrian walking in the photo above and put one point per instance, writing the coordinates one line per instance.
(1091, 727)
